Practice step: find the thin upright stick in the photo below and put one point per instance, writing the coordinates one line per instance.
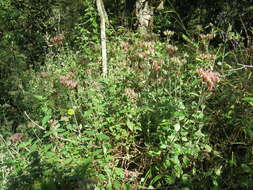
(102, 15)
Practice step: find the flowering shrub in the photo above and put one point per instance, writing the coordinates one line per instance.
(147, 125)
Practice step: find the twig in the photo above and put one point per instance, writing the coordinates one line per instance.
(33, 121)
(236, 69)
(249, 66)
(64, 139)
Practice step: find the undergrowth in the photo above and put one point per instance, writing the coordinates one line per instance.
(169, 116)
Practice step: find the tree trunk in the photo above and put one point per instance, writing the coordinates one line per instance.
(144, 14)
(103, 20)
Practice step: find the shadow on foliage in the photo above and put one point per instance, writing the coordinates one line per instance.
(230, 131)
(45, 176)
(11, 105)
(22, 46)
(160, 110)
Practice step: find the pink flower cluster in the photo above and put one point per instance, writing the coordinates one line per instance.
(157, 64)
(125, 45)
(209, 77)
(207, 56)
(146, 44)
(57, 39)
(67, 80)
(145, 54)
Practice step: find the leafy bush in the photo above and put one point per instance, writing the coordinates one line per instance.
(168, 116)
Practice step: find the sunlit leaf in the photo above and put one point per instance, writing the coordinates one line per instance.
(177, 127)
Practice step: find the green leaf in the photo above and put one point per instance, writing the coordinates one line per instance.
(53, 131)
(33, 147)
(46, 119)
(177, 127)
(155, 179)
(184, 139)
(249, 100)
(119, 172)
(199, 134)
(218, 171)
(39, 97)
(25, 144)
(164, 146)
(170, 180)
(116, 184)
(130, 125)
(90, 132)
(187, 39)
(208, 148)
(155, 153)
(102, 136)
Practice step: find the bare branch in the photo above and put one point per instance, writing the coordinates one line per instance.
(249, 66)
(28, 117)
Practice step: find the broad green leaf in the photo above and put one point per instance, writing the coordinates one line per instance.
(155, 179)
(53, 131)
(102, 136)
(208, 148)
(184, 139)
(90, 132)
(116, 184)
(170, 179)
(119, 172)
(177, 127)
(218, 171)
(39, 97)
(249, 100)
(130, 125)
(187, 39)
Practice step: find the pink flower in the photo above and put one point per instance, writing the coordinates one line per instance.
(67, 80)
(57, 39)
(209, 77)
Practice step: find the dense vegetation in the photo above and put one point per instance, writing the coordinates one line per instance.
(175, 111)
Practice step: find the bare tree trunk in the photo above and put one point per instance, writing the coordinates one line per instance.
(144, 14)
(103, 20)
